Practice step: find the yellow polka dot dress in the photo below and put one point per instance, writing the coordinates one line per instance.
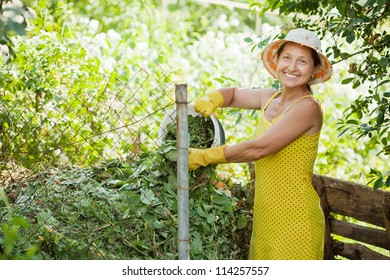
(288, 222)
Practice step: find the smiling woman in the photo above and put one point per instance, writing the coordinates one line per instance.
(288, 222)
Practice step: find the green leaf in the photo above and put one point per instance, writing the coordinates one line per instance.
(172, 155)
(384, 62)
(375, 172)
(353, 122)
(3, 197)
(345, 55)
(138, 244)
(369, 3)
(264, 42)
(223, 203)
(380, 118)
(347, 81)
(344, 131)
(211, 219)
(200, 212)
(350, 37)
(238, 119)
(253, 48)
(341, 5)
(378, 183)
(196, 243)
(383, 82)
(21, 222)
(336, 51)
(158, 225)
(248, 40)
(115, 183)
(133, 198)
(356, 84)
(147, 197)
(46, 218)
(172, 181)
(18, 28)
(242, 222)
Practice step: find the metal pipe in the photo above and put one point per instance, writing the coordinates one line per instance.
(182, 171)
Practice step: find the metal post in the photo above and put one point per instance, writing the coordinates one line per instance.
(182, 171)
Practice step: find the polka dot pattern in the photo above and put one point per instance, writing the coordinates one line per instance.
(288, 222)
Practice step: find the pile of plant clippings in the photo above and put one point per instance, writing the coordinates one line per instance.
(123, 210)
(200, 129)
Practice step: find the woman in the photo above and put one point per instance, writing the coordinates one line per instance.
(288, 222)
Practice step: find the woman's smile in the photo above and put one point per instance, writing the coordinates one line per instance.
(290, 75)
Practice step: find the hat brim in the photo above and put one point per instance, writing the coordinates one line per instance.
(268, 56)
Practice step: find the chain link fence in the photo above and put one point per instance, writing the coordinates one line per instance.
(84, 176)
(87, 128)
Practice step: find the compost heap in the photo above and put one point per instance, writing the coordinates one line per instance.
(123, 209)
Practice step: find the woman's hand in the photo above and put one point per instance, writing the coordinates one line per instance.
(204, 157)
(209, 103)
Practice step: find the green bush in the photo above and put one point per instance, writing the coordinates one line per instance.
(14, 243)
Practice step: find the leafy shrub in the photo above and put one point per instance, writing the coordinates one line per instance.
(13, 243)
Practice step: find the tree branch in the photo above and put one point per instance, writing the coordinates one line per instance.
(351, 55)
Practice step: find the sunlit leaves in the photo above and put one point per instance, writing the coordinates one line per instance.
(13, 21)
(359, 34)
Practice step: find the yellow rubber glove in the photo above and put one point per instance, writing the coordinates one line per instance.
(204, 157)
(207, 105)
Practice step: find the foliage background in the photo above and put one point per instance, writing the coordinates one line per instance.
(207, 49)
(70, 45)
(358, 35)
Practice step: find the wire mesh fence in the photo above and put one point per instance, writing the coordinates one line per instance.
(89, 127)
(83, 175)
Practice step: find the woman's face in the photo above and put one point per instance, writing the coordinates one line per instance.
(295, 66)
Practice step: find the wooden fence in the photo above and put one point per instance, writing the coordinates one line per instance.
(342, 200)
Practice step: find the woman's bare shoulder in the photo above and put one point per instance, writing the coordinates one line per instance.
(309, 110)
(266, 94)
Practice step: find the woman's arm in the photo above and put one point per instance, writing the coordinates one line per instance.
(245, 98)
(305, 116)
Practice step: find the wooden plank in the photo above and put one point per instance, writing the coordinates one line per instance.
(363, 234)
(328, 246)
(386, 219)
(356, 251)
(353, 200)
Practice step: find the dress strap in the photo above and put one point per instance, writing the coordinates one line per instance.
(270, 99)
(305, 96)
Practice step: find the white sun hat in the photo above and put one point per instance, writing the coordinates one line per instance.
(303, 37)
